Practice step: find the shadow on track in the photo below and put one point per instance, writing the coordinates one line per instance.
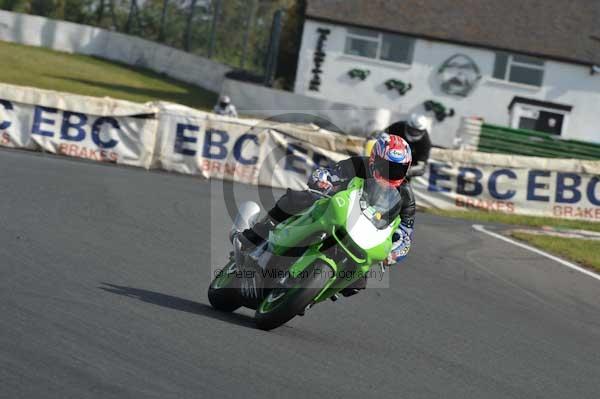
(183, 305)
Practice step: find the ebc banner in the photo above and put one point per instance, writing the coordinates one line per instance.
(245, 150)
(511, 184)
(199, 143)
(127, 140)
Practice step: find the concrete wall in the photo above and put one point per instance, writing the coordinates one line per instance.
(260, 101)
(564, 83)
(83, 39)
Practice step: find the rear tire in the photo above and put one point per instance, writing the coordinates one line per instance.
(282, 305)
(223, 292)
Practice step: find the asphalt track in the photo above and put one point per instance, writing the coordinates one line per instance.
(103, 284)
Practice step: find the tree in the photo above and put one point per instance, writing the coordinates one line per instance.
(42, 7)
(241, 27)
(291, 39)
(14, 5)
(79, 11)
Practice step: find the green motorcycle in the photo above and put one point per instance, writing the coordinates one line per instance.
(311, 257)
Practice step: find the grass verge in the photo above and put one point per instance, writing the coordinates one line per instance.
(584, 252)
(521, 220)
(90, 76)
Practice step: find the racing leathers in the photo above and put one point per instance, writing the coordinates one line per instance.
(420, 148)
(226, 109)
(331, 180)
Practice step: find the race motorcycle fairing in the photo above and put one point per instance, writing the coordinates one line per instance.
(310, 257)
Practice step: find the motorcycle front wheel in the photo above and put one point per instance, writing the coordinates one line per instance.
(223, 292)
(284, 303)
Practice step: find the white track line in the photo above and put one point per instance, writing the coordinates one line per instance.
(570, 265)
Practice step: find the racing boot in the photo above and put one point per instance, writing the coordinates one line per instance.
(257, 234)
(355, 287)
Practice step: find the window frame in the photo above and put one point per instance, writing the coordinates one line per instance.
(510, 62)
(379, 40)
(366, 39)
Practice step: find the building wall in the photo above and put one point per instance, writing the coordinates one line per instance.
(83, 39)
(564, 83)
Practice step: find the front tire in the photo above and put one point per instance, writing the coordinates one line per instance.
(283, 304)
(223, 292)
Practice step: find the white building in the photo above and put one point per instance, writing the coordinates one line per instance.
(520, 63)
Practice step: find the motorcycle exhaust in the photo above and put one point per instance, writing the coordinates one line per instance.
(248, 213)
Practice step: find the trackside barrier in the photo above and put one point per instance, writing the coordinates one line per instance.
(246, 150)
(99, 129)
(70, 37)
(266, 102)
(180, 139)
(464, 180)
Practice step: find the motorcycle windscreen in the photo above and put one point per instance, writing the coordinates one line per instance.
(380, 204)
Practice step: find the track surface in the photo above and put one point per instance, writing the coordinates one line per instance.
(103, 277)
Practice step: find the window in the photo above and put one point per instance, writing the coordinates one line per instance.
(384, 46)
(363, 46)
(519, 69)
(542, 121)
(543, 116)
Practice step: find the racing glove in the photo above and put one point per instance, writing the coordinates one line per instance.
(417, 170)
(321, 180)
(401, 242)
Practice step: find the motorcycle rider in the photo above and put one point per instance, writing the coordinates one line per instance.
(388, 164)
(414, 130)
(225, 107)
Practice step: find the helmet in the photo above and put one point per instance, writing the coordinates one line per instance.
(416, 127)
(390, 160)
(372, 139)
(224, 101)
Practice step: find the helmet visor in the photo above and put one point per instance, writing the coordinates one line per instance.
(390, 170)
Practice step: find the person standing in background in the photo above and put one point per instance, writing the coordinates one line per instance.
(415, 132)
(225, 107)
